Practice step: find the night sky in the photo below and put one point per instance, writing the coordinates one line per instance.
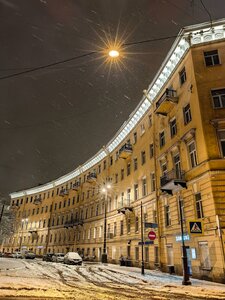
(54, 119)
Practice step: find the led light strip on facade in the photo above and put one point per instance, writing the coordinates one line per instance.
(191, 35)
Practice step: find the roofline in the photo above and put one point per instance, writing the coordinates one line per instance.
(187, 37)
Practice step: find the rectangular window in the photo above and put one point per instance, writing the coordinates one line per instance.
(136, 191)
(143, 157)
(173, 128)
(156, 254)
(167, 215)
(198, 205)
(136, 224)
(135, 137)
(187, 114)
(111, 160)
(161, 139)
(152, 182)
(211, 58)
(177, 167)
(136, 253)
(128, 169)
(114, 229)
(121, 227)
(142, 129)
(122, 174)
(221, 136)
(204, 255)
(104, 164)
(116, 178)
(192, 154)
(144, 187)
(150, 121)
(146, 254)
(128, 225)
(183, 76)
(218, 97)
(151, 150)
(128, 196)
(135, 164)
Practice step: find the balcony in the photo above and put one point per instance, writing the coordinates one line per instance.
(166, 102)
(125, 206)
(37, 200)
(63, 192)
(172, 181)
(73, 223)
(91, 177)
(125, 151)
(76, 186)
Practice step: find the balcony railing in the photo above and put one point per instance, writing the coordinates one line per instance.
(124, 206)
(172, 179)
(37, 200)
(125, 151)
(73, 222)
(76, 186)
(91, 177)
(166, 102)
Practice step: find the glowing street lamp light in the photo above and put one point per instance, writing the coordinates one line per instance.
(114, 53)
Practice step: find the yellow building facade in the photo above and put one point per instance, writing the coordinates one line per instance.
(168, 159)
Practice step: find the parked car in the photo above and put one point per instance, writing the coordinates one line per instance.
(17, 255)
(72, 258)
(1, 254)
(29, 255)
(8, 254)
(48, 257)
(58, 257)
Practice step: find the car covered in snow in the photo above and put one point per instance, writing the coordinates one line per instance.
(58, 257)
(29, 255)
(72, 258)
(48, 257)
(17, 255)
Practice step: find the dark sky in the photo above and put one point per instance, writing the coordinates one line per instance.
(54, 119)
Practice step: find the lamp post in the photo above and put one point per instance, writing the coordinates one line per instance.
(105, 191)
(142, 245)
(21, 239)
(186, 280)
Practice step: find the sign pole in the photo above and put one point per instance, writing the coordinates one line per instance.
(186, 280)
(142, 245)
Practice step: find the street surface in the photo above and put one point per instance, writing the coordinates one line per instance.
(36, 279)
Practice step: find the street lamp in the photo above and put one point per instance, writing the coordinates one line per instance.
(105, 191)
(21, 239)
(114, 53)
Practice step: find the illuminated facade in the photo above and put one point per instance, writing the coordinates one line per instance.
(170, 152)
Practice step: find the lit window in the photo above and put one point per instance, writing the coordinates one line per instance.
(218, 97)
(183, 76)
(211, 58)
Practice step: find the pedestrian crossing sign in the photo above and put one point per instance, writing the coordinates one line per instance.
(196, 227)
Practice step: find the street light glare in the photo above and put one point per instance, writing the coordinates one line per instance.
(103, 190)
(114, 53)
(108, 186)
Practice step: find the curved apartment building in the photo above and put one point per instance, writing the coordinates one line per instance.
(167, 160)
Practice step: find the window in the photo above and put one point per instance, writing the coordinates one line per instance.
(183, 76)
(114, 229)
(192, 154)
(137, 253)
(177, 167)
(218, 97)
(121, 227)
(128, 225)
(99, 169)
(128, 169)
(122, 174)
(167, 215)
(146, 254)
(142, 129)
(151, 150)
(211, 58)
(135, 137)
(161, 139)
(111, 160)
(221, 135)
(187, 114)
(198, 205)
(150, 121)
(144, 187)
(136, 191)
(128, 196)
(152, 182)
(104, 164)
(143, 157)
(136, 224)
(116, 178)
(204, 255)
(156, 254)
(173, 128)
(135, 164)
(122, 199)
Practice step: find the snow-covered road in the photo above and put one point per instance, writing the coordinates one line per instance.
(45, 280)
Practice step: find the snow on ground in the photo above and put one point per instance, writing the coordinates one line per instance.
(37, 279)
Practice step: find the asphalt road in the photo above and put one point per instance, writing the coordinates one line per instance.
(35, 279)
